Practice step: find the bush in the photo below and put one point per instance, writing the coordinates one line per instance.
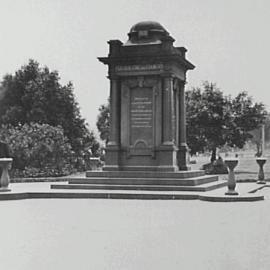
(38, 150)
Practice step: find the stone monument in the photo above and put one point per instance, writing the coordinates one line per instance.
(146, 153)
(147, 79)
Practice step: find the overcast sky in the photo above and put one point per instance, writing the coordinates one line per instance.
(228, 41)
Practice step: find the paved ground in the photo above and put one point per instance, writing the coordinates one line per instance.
(135, 234)
(126, 234)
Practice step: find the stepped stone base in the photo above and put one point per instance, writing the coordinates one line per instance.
(145, 174)
(141, 168)
(156, 184)
(200, 188)
(148, 181)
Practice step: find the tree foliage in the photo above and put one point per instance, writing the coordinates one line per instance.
(38, 150)
(207, 116)
(103, 123)
(214, 120)
(34, 95)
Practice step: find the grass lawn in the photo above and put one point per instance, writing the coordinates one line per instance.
(247, 167)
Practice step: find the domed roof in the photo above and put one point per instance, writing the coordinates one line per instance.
(146, 32)
(147, 26)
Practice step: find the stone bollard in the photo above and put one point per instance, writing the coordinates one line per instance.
(5, 164)
(231, 164)
(261, 161)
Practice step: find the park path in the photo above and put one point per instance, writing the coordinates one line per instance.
(121, 234)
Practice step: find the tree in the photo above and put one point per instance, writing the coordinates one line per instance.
(103, 122)
(38, 150)
(214, 120)
(34, 95)
(257, 140)
(207, 116)
(246, 116)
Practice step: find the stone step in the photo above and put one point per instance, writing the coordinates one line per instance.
(146, 174)
(200, 188)
(130, 195)
(195, 181)
(214, 196)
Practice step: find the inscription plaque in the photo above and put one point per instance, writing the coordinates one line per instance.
(141, 116)
(139, 67)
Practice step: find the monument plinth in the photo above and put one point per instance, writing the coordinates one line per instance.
(147, 101)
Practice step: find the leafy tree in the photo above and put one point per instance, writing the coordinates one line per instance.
(38, 150)
(257, 140)
(207, 116)
(103, 123)
(34, 94)
(214, 120)
(247, 116)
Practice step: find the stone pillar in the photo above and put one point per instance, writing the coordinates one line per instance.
(167, 112)
(5, 164)
(168, 149)
(231, 164)
(182, 152)
(113, 146)
(261, 161)
(115, 115)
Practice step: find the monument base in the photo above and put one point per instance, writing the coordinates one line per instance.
(144, 184)
(158, 175)
(182, 158)
(184, 168)
(160, 159)
(141, 168)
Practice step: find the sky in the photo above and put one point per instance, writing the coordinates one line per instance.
(228, 41)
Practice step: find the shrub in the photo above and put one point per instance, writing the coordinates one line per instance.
(38, 150)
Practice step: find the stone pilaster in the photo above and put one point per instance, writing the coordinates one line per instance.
(115, 113)
(168, 153)
(182, 152)
(167, 112)
(113, 146)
